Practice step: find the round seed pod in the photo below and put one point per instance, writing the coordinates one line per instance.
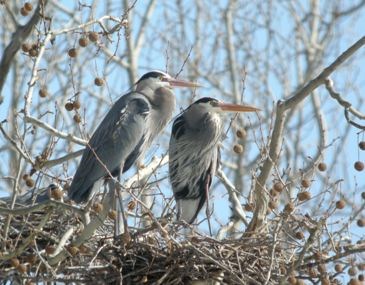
(289, 207)
(76, 104)
(99, 81)
(363, 195)
(304, 196)
(33, 52)
(29, 182)
(69, 106)
(305, 183)
(14, 262)
(362, 145)
(25, 176)
(299, 235)
(73, 250)
(273, 204)
(97, 207)
(28, 6)
(77, 118)
(278, 186)
(22, 268)
(340, 204)
(240, 133)
(26, 47)
(338, 268)
(352, 271)
(23, 12)
(361, 277)
(237, 148)
(359, 165)
(132, 205)
(83, 42)
(72, 52)
(322, 166)
(361, 223)
(93, 37)
(57, 194)
(43, 92)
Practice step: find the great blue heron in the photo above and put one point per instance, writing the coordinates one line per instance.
(194, 153)
(126, 132)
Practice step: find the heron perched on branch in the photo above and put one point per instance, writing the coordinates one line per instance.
(126, 132)
(194, 153)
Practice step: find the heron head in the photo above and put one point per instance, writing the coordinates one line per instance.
(155, 79)
(208, 104)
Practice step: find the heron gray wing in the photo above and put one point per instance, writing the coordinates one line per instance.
(117, 140)
(191, 172)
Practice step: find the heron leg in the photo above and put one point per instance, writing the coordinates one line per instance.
(208, 214)
(121, 223)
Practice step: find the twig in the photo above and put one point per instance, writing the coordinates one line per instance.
(54, 131)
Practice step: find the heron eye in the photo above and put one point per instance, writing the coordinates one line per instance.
(214, 103)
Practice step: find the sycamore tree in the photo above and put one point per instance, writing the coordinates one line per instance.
(287, 204)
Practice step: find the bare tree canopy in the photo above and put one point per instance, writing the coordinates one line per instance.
(286, 205)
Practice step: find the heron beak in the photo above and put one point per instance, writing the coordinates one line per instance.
(181, 83)
(226, 107)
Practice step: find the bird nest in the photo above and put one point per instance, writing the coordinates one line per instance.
(39, 244)
(155, 254)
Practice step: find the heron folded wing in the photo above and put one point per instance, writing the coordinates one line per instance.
(117, 137)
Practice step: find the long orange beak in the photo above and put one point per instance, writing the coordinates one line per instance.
(226, 107)
(181, 83)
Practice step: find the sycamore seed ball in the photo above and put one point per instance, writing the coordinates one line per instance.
(93, 37)
(22, 268)
(240, 133)
(76, 104)
(361, 223)
(43, 92)
(23, 12)
(359, 165)
(97, 207)
(237, 148)
(26, 47)
(28, 6)
(69, 106)
(72, 52)
(77, 118)
(305, 183)
(322, 166)
(304, 196)
(99, 81)
(340, 204)
(278, 186)
(338, 268)
(299, 235)
(362, 145)
(83, 42)
(352, 271)
(29, 182)
(14, 262)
